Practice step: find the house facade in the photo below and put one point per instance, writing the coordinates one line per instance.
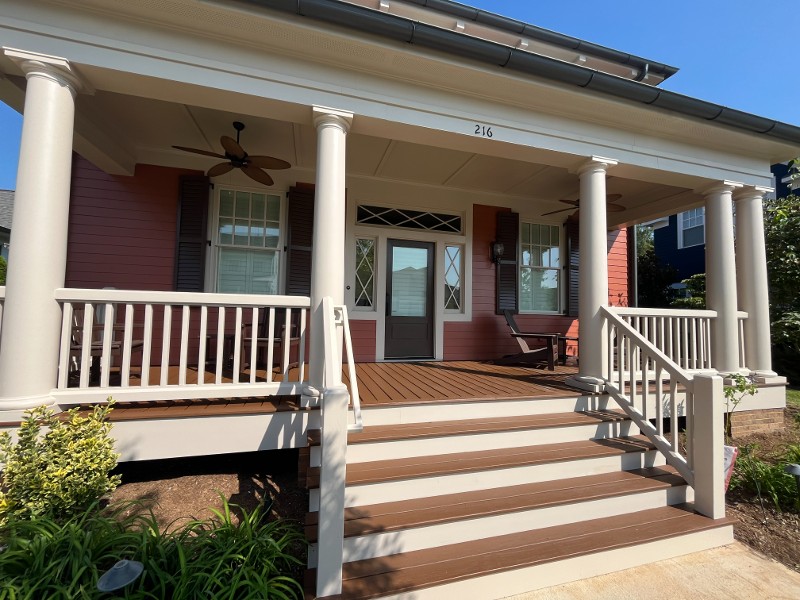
(402, 173)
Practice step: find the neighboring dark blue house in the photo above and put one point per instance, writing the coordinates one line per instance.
(681, 243)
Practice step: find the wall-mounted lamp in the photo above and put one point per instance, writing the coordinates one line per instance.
(498, 249)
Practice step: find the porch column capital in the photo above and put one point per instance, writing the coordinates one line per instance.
(751, 192)
(332, 117)
(54, 68)
(752, 280)
(596, 164)
(719, 188)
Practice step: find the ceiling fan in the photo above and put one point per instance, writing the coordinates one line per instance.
(612, 205)
(237, 158)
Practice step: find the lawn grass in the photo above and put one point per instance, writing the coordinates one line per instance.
(793, 397)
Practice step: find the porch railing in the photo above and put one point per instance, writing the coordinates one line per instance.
(655, 391)
(147, 346)
(683, 335)
(335, 318)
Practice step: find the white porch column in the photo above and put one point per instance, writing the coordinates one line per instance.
(327, 259)
(721, 277)
(593, 274)
(38, 253)
(751, 272)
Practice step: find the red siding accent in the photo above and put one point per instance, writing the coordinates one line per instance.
(618, 267)
(363, 336)
(122, 229)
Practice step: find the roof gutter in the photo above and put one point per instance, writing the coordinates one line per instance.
(405, 30)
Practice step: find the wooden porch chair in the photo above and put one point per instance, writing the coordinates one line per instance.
(263, 341)
(96, 344)
(530, 356)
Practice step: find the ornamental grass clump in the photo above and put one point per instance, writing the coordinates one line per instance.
(58, 465)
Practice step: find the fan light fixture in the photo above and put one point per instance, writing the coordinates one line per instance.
(252, 166)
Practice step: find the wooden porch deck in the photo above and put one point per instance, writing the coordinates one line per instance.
(378, 383)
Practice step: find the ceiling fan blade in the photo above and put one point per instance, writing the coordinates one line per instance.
(613, 197)
(570, 202)
(220, 169)
(615, 207)
(268, 162)
(198, 151)
(552, 212)
(257, 174)
(232, 147)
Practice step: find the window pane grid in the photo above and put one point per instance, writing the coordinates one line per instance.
(409, 219)
(452, 278)
(540, 252)
(365, 272)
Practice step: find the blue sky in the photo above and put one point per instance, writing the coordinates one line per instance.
(739, 53)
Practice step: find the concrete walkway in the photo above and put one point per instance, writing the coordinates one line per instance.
(733, 572)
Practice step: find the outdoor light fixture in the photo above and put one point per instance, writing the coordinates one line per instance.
(498, 249)
(120, 575)
(794, 470)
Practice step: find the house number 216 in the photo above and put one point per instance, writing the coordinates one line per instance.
(483, 131)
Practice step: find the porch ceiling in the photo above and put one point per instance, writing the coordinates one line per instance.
(147, 128)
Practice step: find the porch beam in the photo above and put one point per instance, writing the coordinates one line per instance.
(751, 259)
(38, 254)
(721, 286)
(593, 274)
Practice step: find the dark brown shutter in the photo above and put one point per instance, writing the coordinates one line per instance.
(190, 254)
(573, 265)
(507, 233)
(300, 238)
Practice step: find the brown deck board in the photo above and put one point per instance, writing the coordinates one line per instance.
(415, 570)
(429, 466)
(392, 516)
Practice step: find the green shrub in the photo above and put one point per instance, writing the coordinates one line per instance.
(204, 559)
(751, 475)
(59, 464)
(3, 269)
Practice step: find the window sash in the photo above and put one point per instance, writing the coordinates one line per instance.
(540, 268)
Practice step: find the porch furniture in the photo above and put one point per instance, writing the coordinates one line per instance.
(96, 343)
(528, 355)
(263, 340)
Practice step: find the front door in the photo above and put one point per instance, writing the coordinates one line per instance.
(409, 300)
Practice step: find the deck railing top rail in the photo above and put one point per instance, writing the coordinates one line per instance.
(182, 298)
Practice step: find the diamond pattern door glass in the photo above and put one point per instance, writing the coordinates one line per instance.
(365, 273)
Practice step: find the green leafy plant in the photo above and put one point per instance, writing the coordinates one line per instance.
(753, 475)
(218, 558)
(738, 389)
(3, 270)
(696, 293)
(58, 465)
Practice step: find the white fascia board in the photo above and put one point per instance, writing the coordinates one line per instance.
(184, 66)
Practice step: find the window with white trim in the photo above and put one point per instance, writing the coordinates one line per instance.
(540, 268)
(365, 273)
(691, 228)
(453, 278)
(248, 226)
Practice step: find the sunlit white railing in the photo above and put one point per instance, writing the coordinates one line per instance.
(148, 346)
(649, 385)
(335, 318)
(2, 302)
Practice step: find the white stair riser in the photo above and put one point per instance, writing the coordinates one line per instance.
(477, 442)
(508, 583)
(418, 538)
(406, 489)
(453, 411)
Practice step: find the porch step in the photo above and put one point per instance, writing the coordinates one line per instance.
(385, 442)
(394, 527)
(508, 564)
(418, 477)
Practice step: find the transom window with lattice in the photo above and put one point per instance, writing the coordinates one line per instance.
(409, 219)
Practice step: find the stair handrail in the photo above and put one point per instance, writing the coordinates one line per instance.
(626, 347)
(335, 317)
(355, 400)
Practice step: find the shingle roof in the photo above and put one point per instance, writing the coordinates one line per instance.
(6, 208)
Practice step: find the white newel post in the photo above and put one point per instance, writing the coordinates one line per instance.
(707, 446)
(721, 293)
(38, 253)
(327, 280)
(593, 274)
(751, 259)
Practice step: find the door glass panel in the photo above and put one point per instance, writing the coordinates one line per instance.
(409, 282)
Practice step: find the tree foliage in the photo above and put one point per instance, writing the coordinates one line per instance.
(653, 277)
(696, 293)
(3, 267)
